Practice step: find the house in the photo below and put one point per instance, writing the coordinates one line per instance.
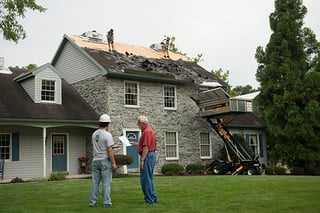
(47, 115)
(44, 123)
(133, 81)
(253, 128)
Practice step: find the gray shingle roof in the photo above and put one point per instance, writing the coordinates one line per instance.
(247, 120)
(146, 61)
(16, 104)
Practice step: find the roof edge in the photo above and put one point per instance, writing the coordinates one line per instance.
(36, 71)
(147, 78)
(66, 39)
(47, 120)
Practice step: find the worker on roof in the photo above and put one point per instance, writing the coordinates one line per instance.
(110, 39)
(165, 47)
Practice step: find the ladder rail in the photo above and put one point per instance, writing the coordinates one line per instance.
(229, 140)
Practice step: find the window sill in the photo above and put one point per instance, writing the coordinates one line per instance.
(170, 109)
(131, 106)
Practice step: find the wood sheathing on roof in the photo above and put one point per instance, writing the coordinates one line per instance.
(127, 48)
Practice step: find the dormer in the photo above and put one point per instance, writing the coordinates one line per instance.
(43, 84)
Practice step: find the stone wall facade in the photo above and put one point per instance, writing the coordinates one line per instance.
(106, 95)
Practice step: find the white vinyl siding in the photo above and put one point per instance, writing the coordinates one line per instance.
(31, 153)
(30, 164)
(172, 152)
(75, 66)
(33, 85)
(29, 87)
(48, 75)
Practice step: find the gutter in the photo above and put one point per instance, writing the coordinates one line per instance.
(48, 122)
(147, 78)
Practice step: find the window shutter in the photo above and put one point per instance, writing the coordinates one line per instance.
(261, 146)
(15, 146)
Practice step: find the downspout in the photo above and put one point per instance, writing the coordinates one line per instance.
(44, 134)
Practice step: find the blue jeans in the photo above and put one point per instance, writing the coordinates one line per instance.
(146, 178)
(101, 172)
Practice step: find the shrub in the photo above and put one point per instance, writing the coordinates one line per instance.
(57, 176)
(195, 168)
(172, 169)
(269, 170)
(279, 170)
(275, 170)
(298, 171)
(17, 180)
(312, 171)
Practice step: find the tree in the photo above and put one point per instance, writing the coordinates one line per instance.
(173, 48)
(10, 11)
(31, 67)
(198, 58)
(289, 75)
(242, 90)
(224, 76)
(28, 67)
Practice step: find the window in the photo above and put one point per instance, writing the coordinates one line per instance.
(205, 145)
(47, 90)
(169, 95)
(131, 93)
(254, 144)
(58, 144)
(5, 146)
(171, 146)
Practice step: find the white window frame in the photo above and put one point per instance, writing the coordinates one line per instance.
(175, 97)
(176, 146)
(255, 144)
(210, 145)
(138, 95)
(63, 144)
(10, 145)
(55, 91)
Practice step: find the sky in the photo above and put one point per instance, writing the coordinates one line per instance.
(226, 32)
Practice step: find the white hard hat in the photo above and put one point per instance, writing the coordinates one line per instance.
(105, 118)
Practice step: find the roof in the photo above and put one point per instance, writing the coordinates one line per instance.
(15, 103)
(140, 62)
(247, 120)
(249, 96)
(31, 73)
(125, 48)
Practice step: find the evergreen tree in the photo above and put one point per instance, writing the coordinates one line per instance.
(242, 90)
(289, 77)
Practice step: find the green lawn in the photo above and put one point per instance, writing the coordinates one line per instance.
(175, 194)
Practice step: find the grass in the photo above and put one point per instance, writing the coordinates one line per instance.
(181, 194)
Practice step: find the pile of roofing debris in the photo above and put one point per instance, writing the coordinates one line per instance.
(177, 69)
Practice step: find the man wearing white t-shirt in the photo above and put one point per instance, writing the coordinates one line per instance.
(103, 162)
